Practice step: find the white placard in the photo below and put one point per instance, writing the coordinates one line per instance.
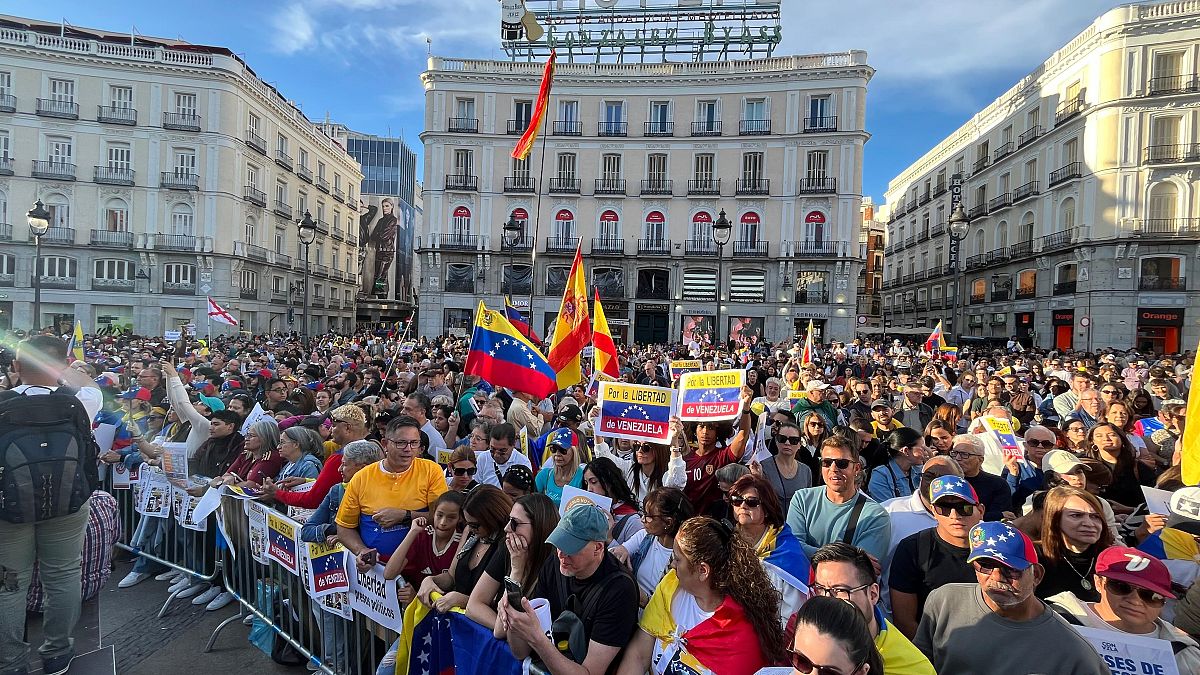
(1126, 654)
(105, 435)
(375, 598)
(573, 496)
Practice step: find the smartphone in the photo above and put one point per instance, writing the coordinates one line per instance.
(513, 590)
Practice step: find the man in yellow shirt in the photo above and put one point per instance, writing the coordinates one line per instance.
(846, 572)
(882, 420)
(382, 499)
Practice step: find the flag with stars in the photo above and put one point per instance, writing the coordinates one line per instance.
(327, 567)
(425, 644)
(476, 652)
(711, 396)
(281, 541)
(635, 412)
(505, 358)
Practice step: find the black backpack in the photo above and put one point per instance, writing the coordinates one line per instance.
(48, 456)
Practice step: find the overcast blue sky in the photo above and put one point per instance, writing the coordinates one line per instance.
(937, 61)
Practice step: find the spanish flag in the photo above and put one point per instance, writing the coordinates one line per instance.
(1190, 458)
(723, 643)
(525, 145)
(604, 350)
(572, 329)
(806, 356)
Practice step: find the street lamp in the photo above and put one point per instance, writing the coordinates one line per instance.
(39, 224)
(307, 231)
(959, 225)
(512, 235)
(721, 231)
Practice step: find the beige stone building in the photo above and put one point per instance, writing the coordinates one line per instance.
(1081, 187)
(172, 172)
(637, 163)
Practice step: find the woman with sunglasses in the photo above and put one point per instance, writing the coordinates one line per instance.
(568, 458)
(784, 471)
(644, 471)
(648, 552)
(1133, 588)
(714, 612)
(461, 470)
(1074, 532)
(520, 557)
(759, 521)
(1075, 438)
(485, 513)
(601, 476)
(832, 638)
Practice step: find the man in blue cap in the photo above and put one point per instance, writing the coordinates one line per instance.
(585, 578)
(997, 624)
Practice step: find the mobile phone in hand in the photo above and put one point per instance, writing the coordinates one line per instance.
(512, 589)
(369, 557)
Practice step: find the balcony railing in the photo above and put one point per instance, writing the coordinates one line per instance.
(1026, 292)
(53, 170)
(58, 235)
(654, 246)
(657, 186)
(1031, 134)
(999, 294)
(1020, 250)
(817, 249)
(338, 235)
(255, 141)
(463, 125)
(116, 115)
(818, 186)
(1000, 202)
(757, 249)
(1068, 109)
(174, 242)
(568, 128)
(179, 287)
(520, 245)
(5, 232)
(517, 127)
(939, 189)
(711, 128)
(1065, 287)
(814, 125)
(304, 173)
(252, 294)
(978, 210)
(1156, 283)
(520, 184)
(978, 298)
(807, 297)
(256, 252)
(174, 180)
(283, 159)
(659, 128)
(1168, 227)
(705, 186)
(700, 247)
(608, 246)
(254, 196)
(937, 230)
(322, 184)
(1025, 191)
(1173, 84)
(283, 209)
(754, 127)
(8, 103)
(561, 244)
(176, 121)
(112, 176)
(322, 226)
(60, 283)
(610, 186)
(1002, 151)
(460, 286)
(112, 239)
(569, 186)
(980, 164)
(925, 198)
(339, 195)
(517, 288)
(455, 241)
(462, 183)
(754, 186)
(6, 166)
(612, 128)
(1066, 173)
(974, 262)
(48, 107)
(1058, 240)
(1180, 153)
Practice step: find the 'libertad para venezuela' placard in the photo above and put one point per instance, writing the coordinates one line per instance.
(711, 397)
(635, 412)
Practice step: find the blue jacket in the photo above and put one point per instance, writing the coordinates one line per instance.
(320, 524)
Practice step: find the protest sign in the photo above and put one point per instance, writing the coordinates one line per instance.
(120, 476)
(714, 396)
(635, 412)
(407, 347)
(795, 395)
(105, 434)
(375, 598)
(1126, 654)
(175, 460)
(573, 496)
(154, 498)
(258, 532)
(681, 366)
(208, 503)
(184, 506)
(327, 568)
(282, 533)
(999, 442)
(256, 415)
(1157, 501)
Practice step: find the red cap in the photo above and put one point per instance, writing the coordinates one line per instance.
(264, 373)
(1134, 567)
(143, 394)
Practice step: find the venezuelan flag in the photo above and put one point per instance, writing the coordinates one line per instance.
(604, 350)
(425, 645)
(525, 144)
(505, 358)
(1190, 459)
(724, 643)
(935, 341)
(787, 566)
(517, 319)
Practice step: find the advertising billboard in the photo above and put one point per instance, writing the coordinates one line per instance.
(385, 255)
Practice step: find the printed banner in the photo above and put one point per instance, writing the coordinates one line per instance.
(175, 460)
(795, 395)
(154, 498)
(679, 367)
(258, 532)
(120, 476)
(1127, 654)
(1005, 434)
(711, 397)
(281, 544)
(184, 507)
(635, 412)
(375, 598)
(327, 568)
(573, 496)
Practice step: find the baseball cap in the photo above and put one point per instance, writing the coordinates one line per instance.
(1185, 510)
(952, 486)
(138, 393)
(1060, 462)
(880, 403)
(1134, 567)
(1002, 543)
(570, 413)
(264, 373)
(563, 438)
(212, 402)
(583, 523)
(815, 385)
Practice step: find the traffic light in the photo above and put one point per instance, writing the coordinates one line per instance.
(291, 315)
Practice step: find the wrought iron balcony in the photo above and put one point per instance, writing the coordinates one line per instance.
(1065, 287)
(111, 239)
(612, 128)
(937, 230)
(1026, 292)
(256, 142)
(455, 241)
(754, 186)
(283, 159)
(6, 166)
(925, 198)
(252, 294)
(5, 232)
(520, 245)
(179, 287)
(1068, 109)
(1168, 227)
(460, 286)
(610, 186)
(322, 226)
(1181, 153)
(1027, 190)
(1058, 240)
(1020, 250)
(8, 103)
(116, 115)
(520, 184)
(53, 170)
(1000, 202)
(657, 186)
(516, 287)
(561, 244)
(322, 184)
(608, 246)
(565, 186)
(710, 128)
(659, 128)
(817, 249)
(1002, 151)
(112, 176)
(654, 246)
(978, 210)
(462, 183)
(999, 294)
(338, 195)
(58, 235)
(978, 298)
(974, 262)
(338, 235)
(1172, 84)
(814, 125)
(939, 189)
(304, 173)
(756, 249)
(1156, 283)
(517, 127)
(1066, 173)
(754, 127)
(174, 242)
(818, 186)
(1030, 135)
(463, 125)
(705, 186)
(256, 252)
(60, 283)
(48, 107)
(568, 128)
(254, 196)
(980, 164)
(283, 209)
(175, 180)
(706, 247)
(177, 121)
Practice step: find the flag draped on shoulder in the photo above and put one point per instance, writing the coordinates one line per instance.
(1190, 458)
(220, 314)
(525, 144)
(573, 329)
(505, 358)
(516, 318)
(604, 350)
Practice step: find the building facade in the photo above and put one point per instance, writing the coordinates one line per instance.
(171, 172)
(1080, 184)
(636, 164)
(871, 242)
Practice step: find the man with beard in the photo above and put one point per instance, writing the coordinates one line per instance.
(1000, 610)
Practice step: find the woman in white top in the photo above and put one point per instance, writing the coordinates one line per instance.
(646, 472)
(648, 552)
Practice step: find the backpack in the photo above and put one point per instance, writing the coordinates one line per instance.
(47, 456)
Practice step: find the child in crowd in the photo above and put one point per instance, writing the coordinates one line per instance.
(431, 544)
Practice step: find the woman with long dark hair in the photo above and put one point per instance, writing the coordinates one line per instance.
(648, 553)
(484, 513)
(715, 611)
(901, 475)
(1111, 446)
(760, 522)
(832, 636)
(602, 477)
(532, 519)
(1074, 532)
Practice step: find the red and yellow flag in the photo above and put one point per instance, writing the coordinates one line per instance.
(525, 145)
(806, 356)
(604, 350)
(572, 329)
(1190, 457)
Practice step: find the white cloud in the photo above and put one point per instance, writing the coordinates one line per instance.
(294, 30)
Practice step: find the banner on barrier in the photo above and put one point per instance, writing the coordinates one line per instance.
(713, 396)
(184, 507)
(120, 476)
(258, 532)
(635, 412)
(154, 497)
(281, 543)
(375, 598)
(327, 568)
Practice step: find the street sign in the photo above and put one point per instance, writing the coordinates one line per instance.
(206, 289)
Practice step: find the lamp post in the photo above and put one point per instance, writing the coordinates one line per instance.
(511, 236)
(957, 231)
(721, 231)
(307, 231)
(39, 224)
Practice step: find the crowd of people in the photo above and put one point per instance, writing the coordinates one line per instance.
(968, 513)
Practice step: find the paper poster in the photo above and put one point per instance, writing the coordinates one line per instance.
(258, 532)
(795, 395)
(1157, 501)
(375, 598)
(120, 476)
(154, 498)
(208, 503)
(337, 604)
(256, 415)
(184, 507)
(1127, 654)
(407, 347)
(713, 396)
(239, 492)
(573, 496)
(105, 435)
(678, 367)
(175, 460)
(635, 412)
(282, 535)
(328, 568)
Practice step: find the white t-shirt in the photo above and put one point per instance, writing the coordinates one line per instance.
(687, 615)
(90, 397)
(654, 565)
(489, 473)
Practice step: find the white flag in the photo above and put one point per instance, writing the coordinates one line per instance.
(220, 314)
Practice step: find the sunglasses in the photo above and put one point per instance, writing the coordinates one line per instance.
(804, 665)
(960, 455)
(841, 464)
(790, 440)
(1039, 444)
(986, 566)
(513, 523)
(750, 502)
(559, 450)
(467, 471)
(1144, 594)
(964, 509)
(642, 447)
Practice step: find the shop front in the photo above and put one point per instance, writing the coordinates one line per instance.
(113, 320)
(457, 322)
(617, 314)
(1024, 328)
(1159, 330)
(1063, 322)
(652, 323)
(800, 325)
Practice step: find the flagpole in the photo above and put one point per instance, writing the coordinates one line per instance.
(537, 216)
